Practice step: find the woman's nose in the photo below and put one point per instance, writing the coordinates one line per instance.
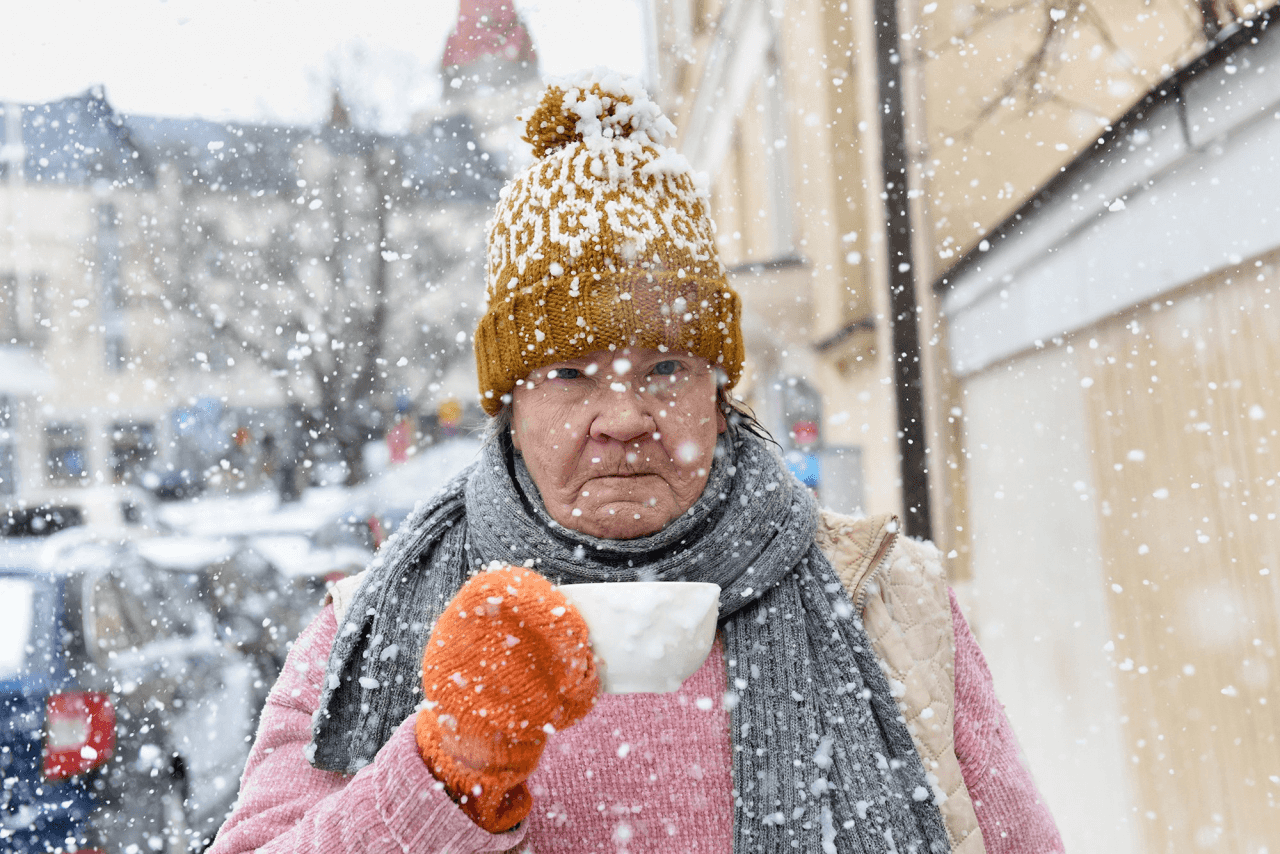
(623, 417)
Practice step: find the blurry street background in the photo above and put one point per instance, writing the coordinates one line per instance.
(1010, 269)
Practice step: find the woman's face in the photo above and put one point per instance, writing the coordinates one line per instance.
(619, 443)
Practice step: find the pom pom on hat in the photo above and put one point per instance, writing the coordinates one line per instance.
(592, 107)
(604, 241)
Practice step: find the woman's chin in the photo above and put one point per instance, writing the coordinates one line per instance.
(621, 520)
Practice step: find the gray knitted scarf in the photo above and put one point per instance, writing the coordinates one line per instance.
(822, 758)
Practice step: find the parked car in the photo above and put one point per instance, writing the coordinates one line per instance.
(38, 520)
(309, 568)
(126, 510)
(124, 720)
(174, 485)
(256, 608)
(377, 507)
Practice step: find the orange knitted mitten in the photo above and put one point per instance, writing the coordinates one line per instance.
(507, 663)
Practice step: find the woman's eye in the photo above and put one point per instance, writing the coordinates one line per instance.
(564, 374)
(666, 368)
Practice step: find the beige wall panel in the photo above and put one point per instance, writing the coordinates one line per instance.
(752, 197)
(850, 219)
(1002, 115)
(1037, 600)
(55, 238)
(776, 315)
(726, 209)
(810, 60)
(944, 420)
(1185, 410)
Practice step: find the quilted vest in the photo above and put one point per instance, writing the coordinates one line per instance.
(900, 588)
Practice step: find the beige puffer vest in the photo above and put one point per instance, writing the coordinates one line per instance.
(900, 589)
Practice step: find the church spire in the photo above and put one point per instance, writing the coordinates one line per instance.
(489, 46)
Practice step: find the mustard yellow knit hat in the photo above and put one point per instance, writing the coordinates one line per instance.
(604, 242)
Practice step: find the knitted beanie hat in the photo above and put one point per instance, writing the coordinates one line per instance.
(603, 243)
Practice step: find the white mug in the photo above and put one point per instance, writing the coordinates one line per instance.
(649, 636)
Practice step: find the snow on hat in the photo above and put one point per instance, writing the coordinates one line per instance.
(603, 242)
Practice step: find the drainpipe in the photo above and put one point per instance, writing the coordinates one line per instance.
(903, 321)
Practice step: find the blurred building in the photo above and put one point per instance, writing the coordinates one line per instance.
(778, 102)
(488, 48)
(1095, 292)
(165, 285)
(490, 72)
(1117, 344)
(786, 186)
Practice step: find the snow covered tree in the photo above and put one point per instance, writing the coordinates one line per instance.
(346, 278)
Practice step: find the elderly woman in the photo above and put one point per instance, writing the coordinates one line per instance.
(447, 698)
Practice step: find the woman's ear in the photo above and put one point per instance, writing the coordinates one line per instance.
(513, 429)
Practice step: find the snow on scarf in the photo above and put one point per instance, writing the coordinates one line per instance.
(822, 761)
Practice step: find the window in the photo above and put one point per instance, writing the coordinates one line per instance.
(8, 469)
(8, 466)
(133, 445)
(109, 253)
(22, 308)
(109, 631)
(17, 617)
(179, 592)
(163, 604)
(118, 619)
(8, 307)
(66, 461)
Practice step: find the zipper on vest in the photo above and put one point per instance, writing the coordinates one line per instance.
(877, 563)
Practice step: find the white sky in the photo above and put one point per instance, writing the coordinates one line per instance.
(269, 60)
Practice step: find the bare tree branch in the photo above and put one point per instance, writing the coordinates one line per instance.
(1029, 84)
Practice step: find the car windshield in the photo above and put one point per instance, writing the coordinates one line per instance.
(17, 611)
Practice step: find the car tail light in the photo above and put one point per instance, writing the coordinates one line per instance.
(79, 733)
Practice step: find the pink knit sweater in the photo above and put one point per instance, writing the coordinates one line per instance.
(642, 773)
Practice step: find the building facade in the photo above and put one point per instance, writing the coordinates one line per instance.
(223, 300)
(1117, 348)
(1070, 342)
